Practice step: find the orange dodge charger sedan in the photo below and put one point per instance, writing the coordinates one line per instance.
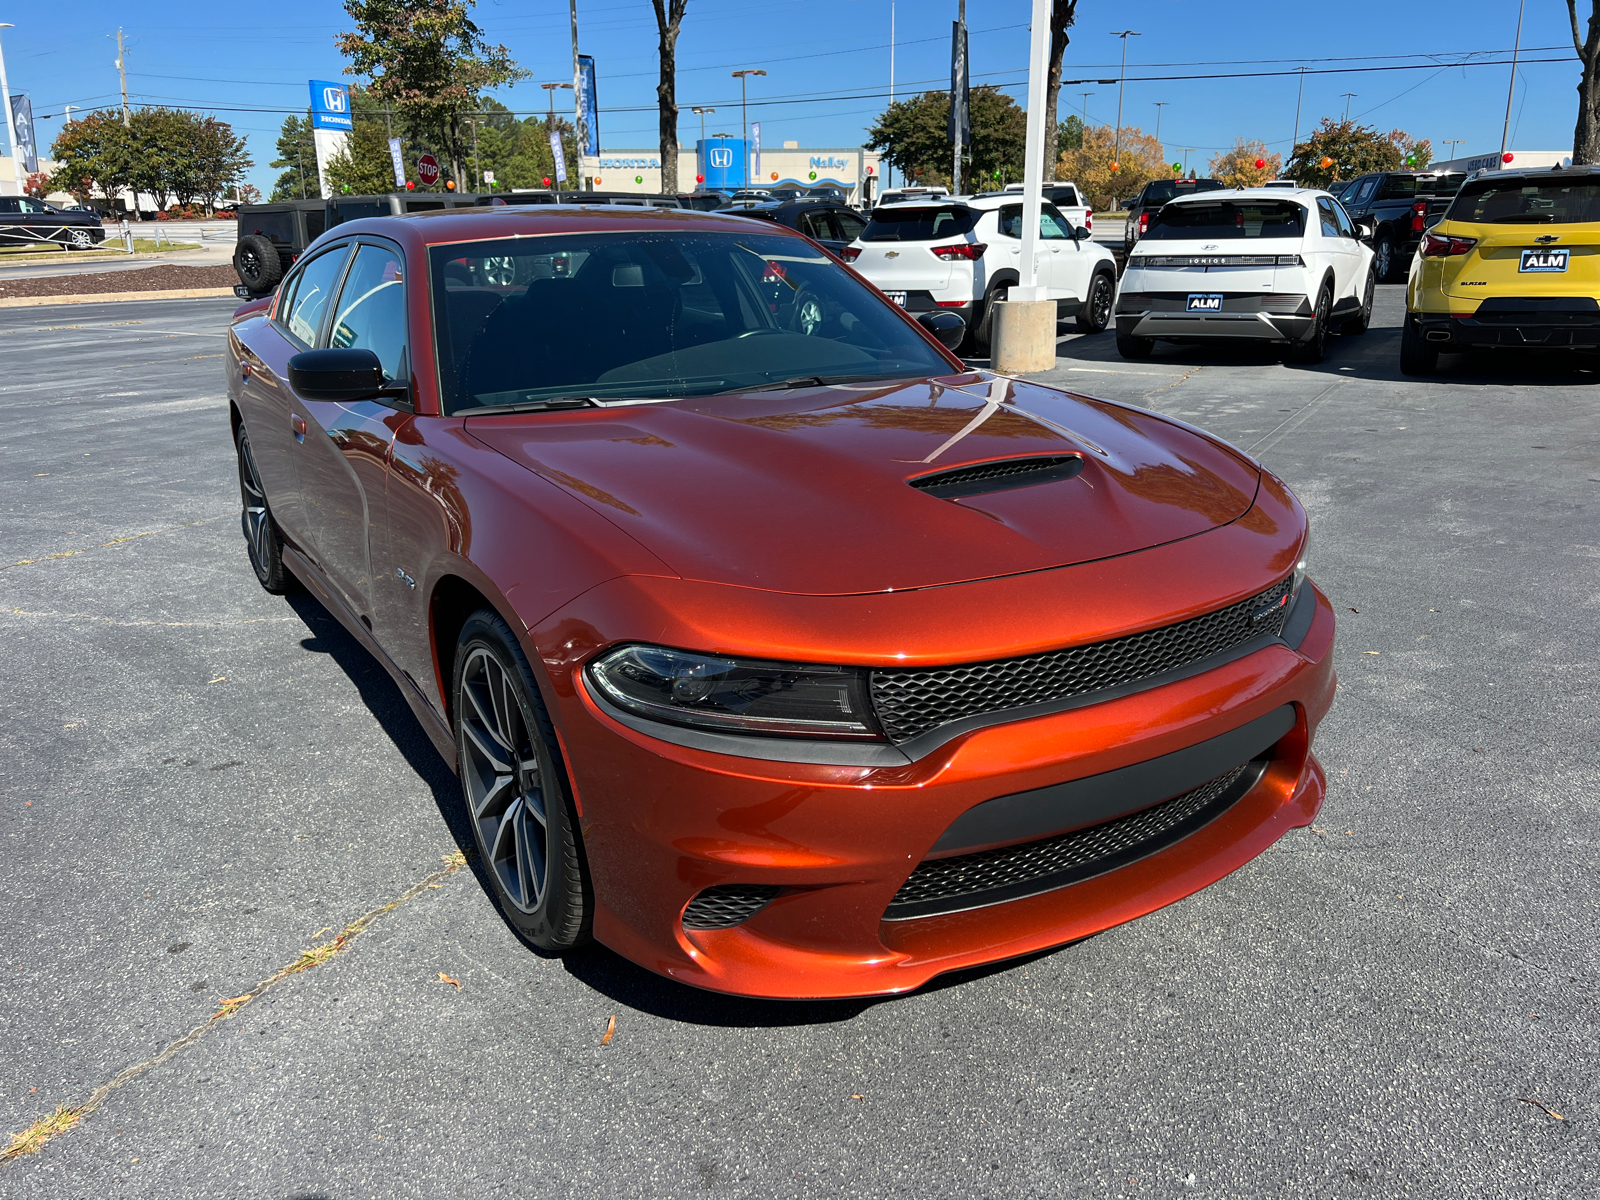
(775, 648)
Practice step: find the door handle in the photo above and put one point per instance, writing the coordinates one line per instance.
(297, 425)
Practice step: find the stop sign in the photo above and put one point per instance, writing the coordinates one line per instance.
(428, 170)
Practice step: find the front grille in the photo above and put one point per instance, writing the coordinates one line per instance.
(966, 881)
(727, 905)
(911, 702)
(998, 476)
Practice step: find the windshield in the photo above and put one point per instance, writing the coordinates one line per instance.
(1162, 190)
(1228, 219)
(659, 316)
(1525, 201)
(919, 223)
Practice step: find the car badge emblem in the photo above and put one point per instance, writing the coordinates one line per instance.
(1547, 238)
(1213, 247)
(892, 254)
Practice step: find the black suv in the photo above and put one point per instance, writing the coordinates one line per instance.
(1153, 195)
(25, 221)
(1400, 206)
(828, 222)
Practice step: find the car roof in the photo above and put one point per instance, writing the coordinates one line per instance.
(1540, 172)
(452, 225)
(1265, 193)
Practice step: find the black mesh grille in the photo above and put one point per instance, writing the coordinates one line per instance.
(727, 905)
(1011, 872)
(911, 702)
(997, 476)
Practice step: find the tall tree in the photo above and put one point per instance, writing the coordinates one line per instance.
(1347, 149)
(1090, 166)
(92, 155)
(158, 146)
(220, 159)
(430, 63)
(1062, 14)
(297, 159)
(669, 16)
(913, 135)
(1586, 137)
(1237, 167)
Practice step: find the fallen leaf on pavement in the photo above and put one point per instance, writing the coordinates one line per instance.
(1355, 610)
(443, 978)
(1369, 652)
(1536, 1104)
(858, 1097)
(611, 1030)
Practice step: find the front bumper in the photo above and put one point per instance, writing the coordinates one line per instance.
(663, 821)
(1195, 327)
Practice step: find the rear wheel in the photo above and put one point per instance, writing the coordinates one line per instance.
(260, 530)
(1134, 347)
(515, 788)
(1096, 311)
(1314, 347)
(1363, 318)
(80, 239)
(985, 329)
(1417, 356)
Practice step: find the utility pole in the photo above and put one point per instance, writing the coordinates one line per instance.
(1505, 132)
(1160, 104)
(122, 70)
(744, 117)
(1348, 96)
(1086, 96)
(577, 96)
(1187, 150)
(11, 129)
(1299, 96)
(1116, 137)
(961, 43)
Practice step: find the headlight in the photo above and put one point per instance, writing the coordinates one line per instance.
(736, 696)
(1300, 564)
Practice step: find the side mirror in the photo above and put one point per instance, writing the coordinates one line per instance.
(947, 327)
(341, 375)
(1364, 230)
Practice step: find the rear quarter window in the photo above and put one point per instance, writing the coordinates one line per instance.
(276, 227)
(919, 224)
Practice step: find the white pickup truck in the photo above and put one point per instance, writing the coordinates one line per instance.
(1068, 200)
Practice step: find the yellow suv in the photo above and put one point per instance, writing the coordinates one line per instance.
(1514, 262)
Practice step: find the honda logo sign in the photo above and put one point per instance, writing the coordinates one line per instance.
(721, 158)
(334, 99)
(330, 105)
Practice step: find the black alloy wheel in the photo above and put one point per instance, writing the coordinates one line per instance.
(1383, 257)
(1362, 321)
(983, 333)
(1315, 347)
(516, 790)
(261, 534)
(1096, 312)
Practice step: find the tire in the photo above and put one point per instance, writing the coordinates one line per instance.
(516, 789)
(808, 314)
(262, 539)
(1383, 259)
(80, 239)
(1134, 347)
(1362, 321)
(1417, 356)
(981, 334)
(1096, 312)
(1315, 347)
(255, 260)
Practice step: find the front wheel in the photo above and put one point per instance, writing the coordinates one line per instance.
(1417, 356)
(515, 789)
(1362, 321)
(1383, 258)
(982, 335)
(80, 239)
(1134, 347)
(1096, 312)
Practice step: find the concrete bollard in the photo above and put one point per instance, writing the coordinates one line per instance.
(1023, 336)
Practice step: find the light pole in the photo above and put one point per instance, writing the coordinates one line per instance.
(11, 129)
(1160, 104)
(701, 113)
(1511, 88)
(1348, 96)
(744, 119)
(1116, 137)
(1453, 142)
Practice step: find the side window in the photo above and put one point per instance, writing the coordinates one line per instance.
(1346, 229)
(302, 310)
(8, 205)
(1330, 223)
(31, 206)
(1011, 221)
(850, 225)
(1364, 190)
(1052, 225)
(813, 225)
(372, 313)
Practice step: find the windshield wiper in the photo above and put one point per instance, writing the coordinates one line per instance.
(802, 381)
(548, 402)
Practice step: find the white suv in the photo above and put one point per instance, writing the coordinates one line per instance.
(962, 255)
(1263, 264)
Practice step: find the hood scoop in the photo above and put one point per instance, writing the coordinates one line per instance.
(1001, 475)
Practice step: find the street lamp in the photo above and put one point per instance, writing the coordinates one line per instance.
(701, 113)
(744, 118)
(1122, 80)
(1348, 96)
(11, 129)
(1160, 104)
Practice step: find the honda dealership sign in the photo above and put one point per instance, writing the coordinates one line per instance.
(331, 124)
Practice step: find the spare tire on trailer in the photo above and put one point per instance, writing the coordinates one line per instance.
(255, 259)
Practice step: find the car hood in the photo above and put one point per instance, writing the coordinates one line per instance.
(806, 491)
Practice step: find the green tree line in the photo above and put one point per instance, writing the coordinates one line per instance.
(166, 153)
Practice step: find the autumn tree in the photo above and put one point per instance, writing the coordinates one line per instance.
(1237, 167)
(1347, 148)
(913, 136)
(430, 63)
(1062, 14)
(1090, 166)
(92, 154)
(669, 16)
(1415, 153)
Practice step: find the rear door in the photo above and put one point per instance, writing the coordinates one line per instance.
(1009, 249)
(1341, 248)
(1070, 262)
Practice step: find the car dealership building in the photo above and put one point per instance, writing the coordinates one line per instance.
(729, 164)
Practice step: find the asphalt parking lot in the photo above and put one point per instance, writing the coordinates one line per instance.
(203, 780)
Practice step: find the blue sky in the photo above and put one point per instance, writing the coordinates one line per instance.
(216, 58)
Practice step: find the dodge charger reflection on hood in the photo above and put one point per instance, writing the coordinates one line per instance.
(775, 648)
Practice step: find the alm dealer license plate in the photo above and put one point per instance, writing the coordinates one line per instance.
(898, 297)
(1205, 302)
(1544, 260)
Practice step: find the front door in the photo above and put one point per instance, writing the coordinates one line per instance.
(1010, 247)
(1071, 261)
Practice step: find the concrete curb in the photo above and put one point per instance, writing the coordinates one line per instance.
(110, 297)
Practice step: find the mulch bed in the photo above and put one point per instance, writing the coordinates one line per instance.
(149, 279)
